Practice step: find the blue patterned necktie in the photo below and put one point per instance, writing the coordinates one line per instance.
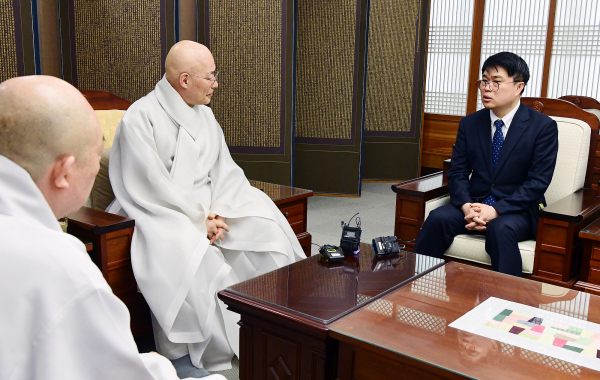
(497, 142)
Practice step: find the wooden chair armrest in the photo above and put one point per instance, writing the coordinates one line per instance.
(445, 169)
(574, 208)
(428, 187)
(98, 222)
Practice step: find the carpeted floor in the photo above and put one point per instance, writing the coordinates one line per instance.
(376, 208)
(234, 372)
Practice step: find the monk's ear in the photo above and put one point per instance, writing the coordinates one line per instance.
(60, 170)
(184, 79)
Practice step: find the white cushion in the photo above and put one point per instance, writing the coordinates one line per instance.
(109, 121)
(435, 203)
(472, 248)
(571, 163)
(594, 111)
(569, 176)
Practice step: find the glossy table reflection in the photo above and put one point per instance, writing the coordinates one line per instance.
(285, 313)
(406, 335)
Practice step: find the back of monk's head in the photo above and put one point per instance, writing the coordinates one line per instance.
(49, 129)
(42, 118)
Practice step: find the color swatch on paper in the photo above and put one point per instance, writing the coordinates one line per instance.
(545, 331)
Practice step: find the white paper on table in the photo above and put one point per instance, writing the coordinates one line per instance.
(475, 322)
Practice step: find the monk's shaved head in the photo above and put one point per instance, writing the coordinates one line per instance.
(190, 69)
(43, 118)
(186, 57)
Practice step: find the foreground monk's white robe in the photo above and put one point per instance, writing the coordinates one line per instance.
(59, 318)
(170, 168)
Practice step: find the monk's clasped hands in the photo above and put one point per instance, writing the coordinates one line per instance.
(215, 225)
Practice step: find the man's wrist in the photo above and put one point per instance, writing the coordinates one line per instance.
(466, 207)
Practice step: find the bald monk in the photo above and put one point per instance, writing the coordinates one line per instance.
(59, 319)
(200, 226)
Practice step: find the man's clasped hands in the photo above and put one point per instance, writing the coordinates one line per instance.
(478, 215)
(215, 225)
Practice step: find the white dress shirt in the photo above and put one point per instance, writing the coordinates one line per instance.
(507, 119)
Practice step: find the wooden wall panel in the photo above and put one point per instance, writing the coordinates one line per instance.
(9, 35)
(119, 47)
(439, 135)
(395, 88)
(331, 67)
(255, 100)
(17, 39)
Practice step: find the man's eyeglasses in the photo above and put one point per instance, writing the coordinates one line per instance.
(211, 80)
(494, 86)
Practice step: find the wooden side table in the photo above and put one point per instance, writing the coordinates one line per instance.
(293, 203)
(589, 280)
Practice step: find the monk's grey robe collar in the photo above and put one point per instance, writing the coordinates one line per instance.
(20, 197)
(176, 108)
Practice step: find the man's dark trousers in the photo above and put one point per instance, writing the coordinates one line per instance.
(501, 237)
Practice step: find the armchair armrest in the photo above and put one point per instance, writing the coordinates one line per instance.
(110, 236)
(557, 249)
(584, 204)
(427, 187)
(411, 199)
(98, 222)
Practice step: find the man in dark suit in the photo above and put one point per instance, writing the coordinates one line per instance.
(509, 151)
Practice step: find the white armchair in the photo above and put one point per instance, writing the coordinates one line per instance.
(569, 176)
(571, 202)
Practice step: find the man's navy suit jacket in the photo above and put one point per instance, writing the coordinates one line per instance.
(524, 168)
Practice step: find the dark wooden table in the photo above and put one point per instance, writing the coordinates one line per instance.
(406, 334)
(285, 314)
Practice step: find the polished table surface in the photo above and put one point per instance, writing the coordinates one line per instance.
(410, 325)
(279, 193)
(323, 292)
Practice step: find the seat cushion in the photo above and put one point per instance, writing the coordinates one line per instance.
(102, 193)
(472, 248)
(109, 121)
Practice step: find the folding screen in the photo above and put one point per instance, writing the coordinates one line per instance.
(116, 46)
(395, 89)
(330, 94)
(253, 45)
(17, 53)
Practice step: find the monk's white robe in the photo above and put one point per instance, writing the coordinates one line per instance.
(170, 168)
(59, 318)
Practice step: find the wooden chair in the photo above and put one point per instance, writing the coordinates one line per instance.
(556, 253)
(586, 103)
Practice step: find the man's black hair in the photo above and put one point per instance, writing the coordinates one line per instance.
(514, 65)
